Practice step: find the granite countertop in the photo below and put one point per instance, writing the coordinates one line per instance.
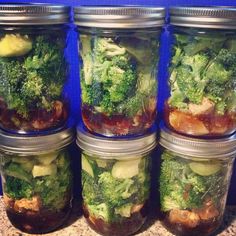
(76, 225)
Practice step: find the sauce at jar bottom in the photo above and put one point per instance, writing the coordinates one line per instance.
(42, 221)
(204, 228)
(127, 226)
(117, 124)
(38, 120)
(206, 125)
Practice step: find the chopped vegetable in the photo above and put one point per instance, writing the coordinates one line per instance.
(202, 85)
(114, 190)
(14, 45)
(31, 81)
(49, 184)
(118, 81)
(192, 191)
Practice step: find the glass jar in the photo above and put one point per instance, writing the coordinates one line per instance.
(36, 180)
(202, 100)
(115, 181)
(118, 49)
(194, 181)
(33, 68)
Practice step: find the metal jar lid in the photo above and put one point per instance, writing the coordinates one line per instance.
(33, 14)
(125, 17)
(204, 17)
(119, 148)
(198, 148)
(33, 145)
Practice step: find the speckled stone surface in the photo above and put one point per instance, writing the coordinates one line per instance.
(76, 225)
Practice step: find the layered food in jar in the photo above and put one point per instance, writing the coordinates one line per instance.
(202, 99)
(118, 81)
(115, 193)
(37, 190)
(33, 74)
(193, 193)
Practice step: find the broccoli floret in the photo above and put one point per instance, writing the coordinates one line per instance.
(202, 44)
(105, 47)
(217, 74)
(177, 99)
(25, 80)
(17, 188)
(124, 210)
(112, 78)
(189, 85)
(91, 190)
(101, 211)
(114, 190)
(179, 187)
(55, 190)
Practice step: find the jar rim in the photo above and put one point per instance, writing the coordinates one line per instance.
(117, 147)
(34, 144)
(198, 147)
(215, 17)
(124, 16)
(34, 14)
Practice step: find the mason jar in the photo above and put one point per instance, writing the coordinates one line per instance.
(118, 49)
(33, 68)
(115, 181)
(202, 99)
(37, 180)
(194, 181)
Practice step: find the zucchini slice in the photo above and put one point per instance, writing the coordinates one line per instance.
(205, 169)
(41, 170)
(86, 166)
(126, 169)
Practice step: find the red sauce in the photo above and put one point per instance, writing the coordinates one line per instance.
(38, 222)
(204, 228)
(124, 227)
(117, 124)
(37, 120)
(206, 125)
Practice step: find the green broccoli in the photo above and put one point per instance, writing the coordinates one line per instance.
(101, 211)
(114, 68)
(90, 190)
(17, 188)
(202, 68)
(34, 80)
(114, 190)
(181, 188)
(54, 190)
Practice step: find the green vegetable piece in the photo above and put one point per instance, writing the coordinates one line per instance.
(125, 169)
(41, 170)
(124, 210)
(101, 211)
(28, 166)
(47, 159)
(205, 169)
(14, 45)
(20, 160)
(17, 189)
(16, 171)
(101, 163)
(86, 166)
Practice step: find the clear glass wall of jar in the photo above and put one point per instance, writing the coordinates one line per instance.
(202, 100)
(194, 181)
(36, 180)
(115, 182)
(33, 68)
(118, 50)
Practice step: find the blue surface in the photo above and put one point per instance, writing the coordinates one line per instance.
(73, 85)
